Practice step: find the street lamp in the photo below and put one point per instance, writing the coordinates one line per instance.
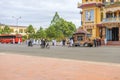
(16, 18)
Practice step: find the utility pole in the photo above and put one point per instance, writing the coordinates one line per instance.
(17, 18)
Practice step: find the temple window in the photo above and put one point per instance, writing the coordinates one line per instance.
(115, 14)
(79, 38)
(89, 30)
(109, 15)
(112, 1)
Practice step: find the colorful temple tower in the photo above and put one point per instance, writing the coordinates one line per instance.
(91, 16)
(101, 18)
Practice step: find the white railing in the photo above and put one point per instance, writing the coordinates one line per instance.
(111, 20)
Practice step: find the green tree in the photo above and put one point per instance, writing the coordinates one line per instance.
(50, 32)
(60, 28)
(1, 30)
(6, 30)
(55, 19)
(24, 37)
(41, 33)
(30, 31)
(71, 29)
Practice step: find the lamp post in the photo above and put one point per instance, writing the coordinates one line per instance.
(16, 18)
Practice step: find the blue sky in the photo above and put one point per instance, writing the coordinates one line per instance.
(38, 12)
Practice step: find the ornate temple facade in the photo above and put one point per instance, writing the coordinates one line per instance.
(101, 18)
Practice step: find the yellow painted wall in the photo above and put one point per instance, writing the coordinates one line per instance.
(14, 29)
(97, 17)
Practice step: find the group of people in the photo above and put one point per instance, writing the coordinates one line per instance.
(54, 42)
(69, 42)
(99, 42)
(30, 43)
(43, 43)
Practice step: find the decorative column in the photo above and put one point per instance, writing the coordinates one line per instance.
(75, 37)
(117, 15)
(119, 33)
(104, 32)
(104, 13)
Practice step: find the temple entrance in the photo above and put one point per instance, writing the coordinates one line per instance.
(113, 34)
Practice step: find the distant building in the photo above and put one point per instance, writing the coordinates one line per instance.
(16, 29)
(101, 18)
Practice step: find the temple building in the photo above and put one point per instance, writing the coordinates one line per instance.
(101, 18)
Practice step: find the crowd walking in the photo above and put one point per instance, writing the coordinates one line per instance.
(44, 43)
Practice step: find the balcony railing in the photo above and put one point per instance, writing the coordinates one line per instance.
(111, 19)
(107, 4)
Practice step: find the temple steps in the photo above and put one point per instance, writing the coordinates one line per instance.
(114, 43)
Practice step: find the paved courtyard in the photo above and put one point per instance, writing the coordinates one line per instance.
(19, 62)
(20, 67)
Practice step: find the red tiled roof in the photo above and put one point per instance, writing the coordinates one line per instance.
(99, 25)
(90, 4)
(81, 31)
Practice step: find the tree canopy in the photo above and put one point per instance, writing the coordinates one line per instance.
(41, 33)
(55, 19)
(60, 28)
(0, 30)
(30, 31)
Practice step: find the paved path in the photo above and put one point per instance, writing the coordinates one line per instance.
(99, 54)
(21, 67)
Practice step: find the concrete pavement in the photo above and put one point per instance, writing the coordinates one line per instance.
(25, 67)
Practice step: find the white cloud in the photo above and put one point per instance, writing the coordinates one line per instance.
(38, 12)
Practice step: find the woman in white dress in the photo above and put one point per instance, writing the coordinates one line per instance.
(105, 41)
(71, 42)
